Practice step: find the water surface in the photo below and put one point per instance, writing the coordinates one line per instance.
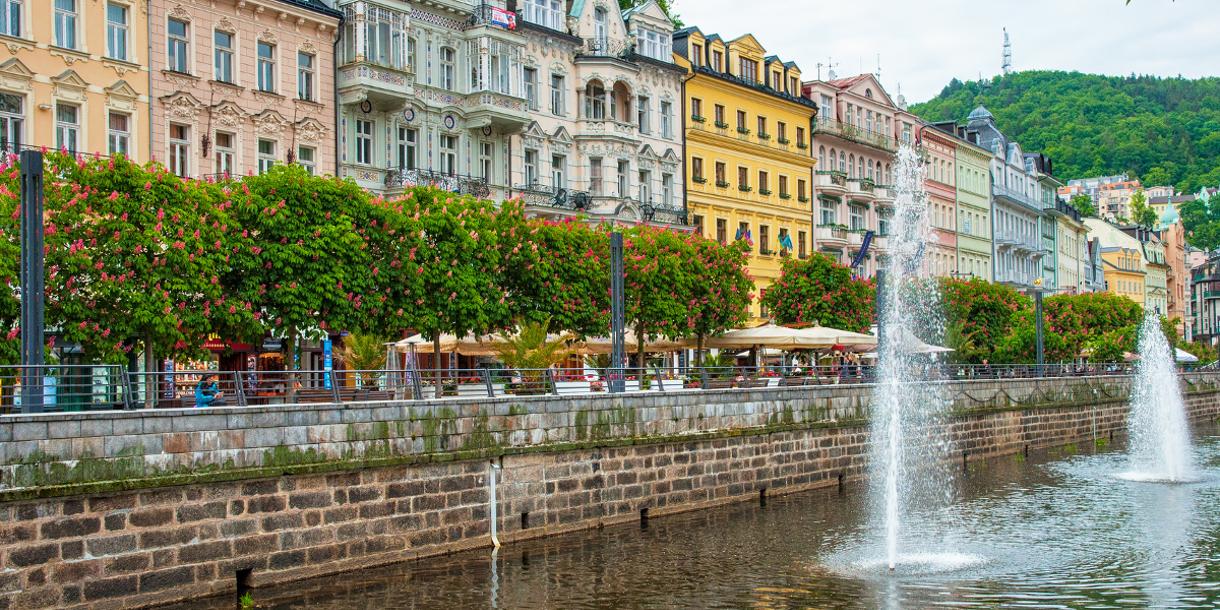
(1055, 531)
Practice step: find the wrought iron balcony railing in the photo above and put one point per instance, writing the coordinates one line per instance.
(457, 183)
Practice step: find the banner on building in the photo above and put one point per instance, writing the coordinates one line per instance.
(864, 246)
(503, 18)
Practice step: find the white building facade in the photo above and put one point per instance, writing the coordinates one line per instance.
(429, 93)
(605, 138)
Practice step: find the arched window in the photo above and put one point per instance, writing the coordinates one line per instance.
(851, 166)
(834, 160)
(870, 170)
(595, 100)
(601, 29)
(888, 178)
(822, 156)
(842, 162)
(860, 168)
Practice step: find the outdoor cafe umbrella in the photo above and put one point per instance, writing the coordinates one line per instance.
(782, 337)
(603, 345)
(908, 343)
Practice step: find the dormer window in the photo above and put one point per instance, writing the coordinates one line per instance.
(654, 44)
(696, 55)
(749, 70)
(546, 13)
(775, 81)
(718, 61)
(601, 29)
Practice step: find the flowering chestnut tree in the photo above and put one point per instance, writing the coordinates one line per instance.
(818, 290)
(720, 289)
(978, 314)
(656, 282)
(558, 271)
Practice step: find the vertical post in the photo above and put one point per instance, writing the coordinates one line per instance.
(1038, 326)
(617, 313)
(32, 282)
(880, 307)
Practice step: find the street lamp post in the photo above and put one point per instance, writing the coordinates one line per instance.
(1038, 323)
(33, 282)
(617, 314)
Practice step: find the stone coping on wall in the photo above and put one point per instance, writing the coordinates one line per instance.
(64, 453)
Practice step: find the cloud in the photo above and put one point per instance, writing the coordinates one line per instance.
(925, 44)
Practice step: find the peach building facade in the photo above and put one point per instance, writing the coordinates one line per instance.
(240, 85)
(74, 76)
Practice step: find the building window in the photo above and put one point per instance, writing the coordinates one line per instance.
(10, 17)
(718, 61)
(12, 122)
(642, 114)
(179, 150)
(448, 68)
(266, 155)
(857, 217)
(305, 76)
(307, 158)
(721, 174)
(749, 69)
(408, 148)
(722, 231)
(775, 80)
(595, 100)
(557, 101)
(764, 182)
(696, 169)
(547, 13)
(449, 148)
(667, 190)
(65, 23)
(116, 31)
(559, 172)
(743, 178)
(762, 127)
(697, 222)
(667, 119)
(531, 167)
(794, 86)
(223, 61)
(595, 175)
(645, 186)
(828, 213)
(178, 55)
(531, 87)
(623, 168)
(741, 122)
(119, 133)
(385, 42)
(364, 142)
(800, 190)
(800, 244)
(486, 160)
(800, 137)
(266, 67)
(225, 153)
(654, 44)
(783, 187)
(600, 30)
(781, 132)
(67, 127)
(764, 239)
(696, 55)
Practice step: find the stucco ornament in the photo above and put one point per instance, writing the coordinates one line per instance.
(311, 130)
(182, 107)
(268, 37)
(270, 123)
(179, 12)
(229, 115)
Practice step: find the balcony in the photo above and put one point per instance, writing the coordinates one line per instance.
(504, 113)
(884, 194)
(846, 131)
(387, 88)
(1016, 197)
(831, 182)
(832, 236)
(604, 48)
(860, 189)
(605, 128)
(454, 183)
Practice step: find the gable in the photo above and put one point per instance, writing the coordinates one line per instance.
(748, 44)
(868, 84)
(122, 89)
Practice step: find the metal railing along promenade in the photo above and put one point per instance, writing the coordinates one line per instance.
(110, 387)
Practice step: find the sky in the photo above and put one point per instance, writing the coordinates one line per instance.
(925, 43)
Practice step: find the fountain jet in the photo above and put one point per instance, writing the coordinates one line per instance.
(1157, 426)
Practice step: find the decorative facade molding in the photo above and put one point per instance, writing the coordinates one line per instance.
(270, 123)
(310, 130)
(15, 75)
(70, 86)
(268, 36)
(179, 12)
(228, 114)
(182, 105)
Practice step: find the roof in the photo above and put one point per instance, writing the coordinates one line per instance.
(844, 83)
(315, 5)
(980, 113)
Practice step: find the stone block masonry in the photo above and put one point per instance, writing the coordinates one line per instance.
(75, 536)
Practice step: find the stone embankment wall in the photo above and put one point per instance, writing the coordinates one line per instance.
(129, 509)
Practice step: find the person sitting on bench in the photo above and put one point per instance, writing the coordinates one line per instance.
(207, 392)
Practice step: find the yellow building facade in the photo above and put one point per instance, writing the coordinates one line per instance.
(1124, 272)
(749, 163)
(75, 76)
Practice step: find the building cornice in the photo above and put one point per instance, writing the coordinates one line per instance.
(755, 87)
(749, 148)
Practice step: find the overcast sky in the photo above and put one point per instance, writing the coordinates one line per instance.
(925, 43)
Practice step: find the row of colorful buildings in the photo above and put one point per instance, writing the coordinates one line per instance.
(575, 106)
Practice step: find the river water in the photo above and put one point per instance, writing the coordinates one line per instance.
(1052, 531)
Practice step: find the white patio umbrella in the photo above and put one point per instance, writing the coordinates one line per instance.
(1184, 356)
(782, 337)
(908, 343)
(603, 345)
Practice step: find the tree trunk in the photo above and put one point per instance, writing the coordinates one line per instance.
(150, 377)
(290, 354)
(436, 365)
(699, 350)
(639, 341)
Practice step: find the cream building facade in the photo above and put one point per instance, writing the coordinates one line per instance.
(75, 77)
(605, 100)
(241, 85)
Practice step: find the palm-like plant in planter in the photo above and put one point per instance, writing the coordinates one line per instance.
(531, 351)
(364, 353)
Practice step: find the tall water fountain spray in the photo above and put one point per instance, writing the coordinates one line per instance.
(1159, 433)
(904, 453)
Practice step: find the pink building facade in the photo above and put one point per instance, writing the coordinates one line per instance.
(859, 128)
(241, 85)
(940, 182)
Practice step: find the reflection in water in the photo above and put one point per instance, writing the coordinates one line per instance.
(1054, 534)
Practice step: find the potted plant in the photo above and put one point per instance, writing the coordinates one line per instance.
(531, 351)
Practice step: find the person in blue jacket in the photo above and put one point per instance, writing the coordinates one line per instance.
(207, 392)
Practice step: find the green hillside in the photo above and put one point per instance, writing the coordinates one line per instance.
(1163, 130)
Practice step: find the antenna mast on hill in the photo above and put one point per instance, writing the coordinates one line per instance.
(1007, 66)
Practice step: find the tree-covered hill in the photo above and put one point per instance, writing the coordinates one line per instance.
(1163, 130)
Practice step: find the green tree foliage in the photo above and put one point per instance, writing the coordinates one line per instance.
(1201, 219)
(1084, 205)
(819, 290)
(1141, 214)
(558, 272)
(720, 289)
(1100, 326)
(666, 5)
(977, 315)
(1163, 130)
(656, 283)
(303, 255)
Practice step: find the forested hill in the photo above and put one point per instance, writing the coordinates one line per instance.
(1163, 130)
